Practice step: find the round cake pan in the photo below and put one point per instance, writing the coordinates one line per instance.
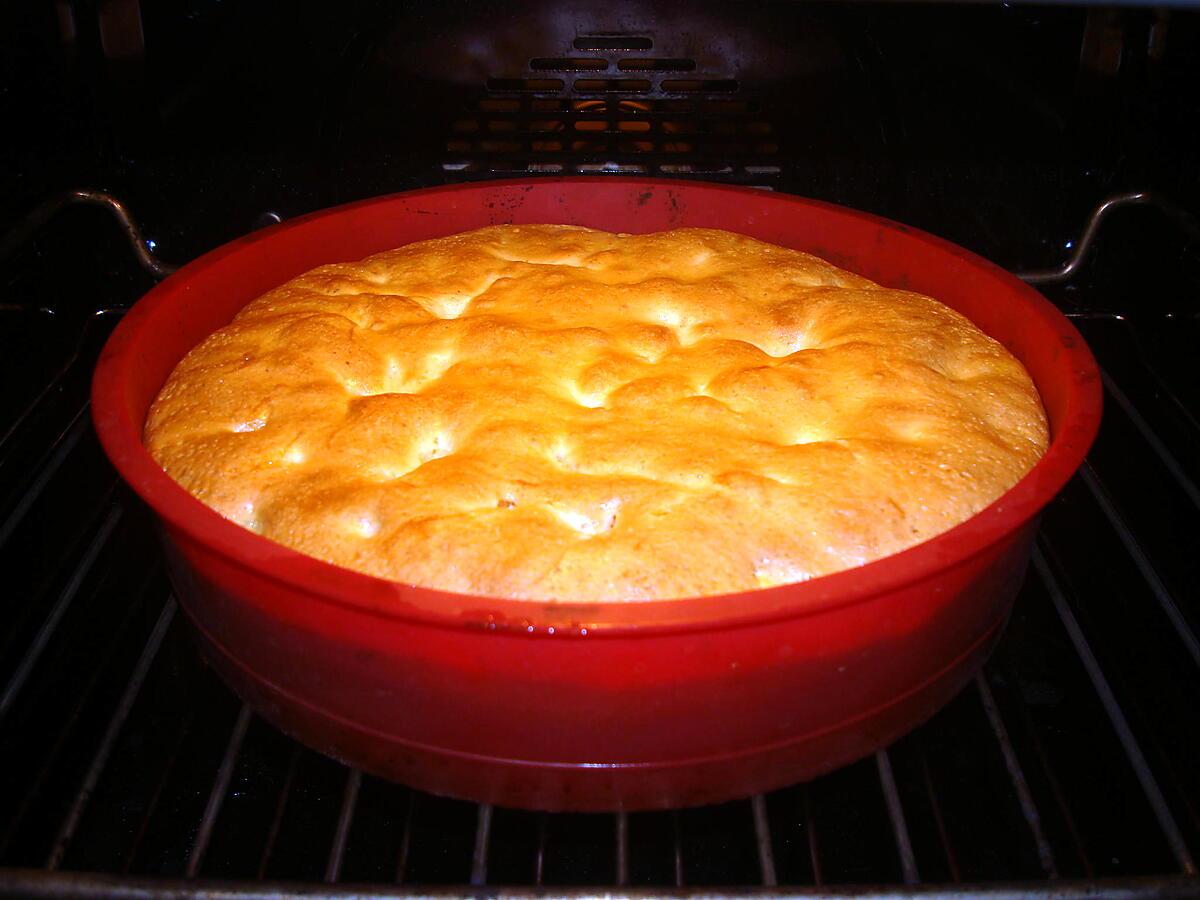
(594, 706)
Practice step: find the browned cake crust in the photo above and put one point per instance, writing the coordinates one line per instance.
(564, 414)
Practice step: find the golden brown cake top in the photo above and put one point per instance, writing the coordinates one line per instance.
(557, 413)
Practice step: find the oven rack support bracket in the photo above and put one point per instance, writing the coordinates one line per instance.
(160, 269)
(47, 209)
(1065, 272)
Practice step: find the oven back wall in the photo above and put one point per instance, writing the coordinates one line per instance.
(212, 113)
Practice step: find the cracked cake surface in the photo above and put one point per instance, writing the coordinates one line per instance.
(557, 413)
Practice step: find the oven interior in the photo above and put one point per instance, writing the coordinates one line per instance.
(1056, 141)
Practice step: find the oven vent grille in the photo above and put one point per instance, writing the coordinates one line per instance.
(605, 110)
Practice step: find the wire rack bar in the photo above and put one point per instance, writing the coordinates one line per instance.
(1151, 437)
(678, 848)
(406, 838)
(887, 781)
(1133, 751)
(57, 454)
(92, 777)
(35, 885)
(1145, 568)
(539, 857)
(277, 816)
(33, 786)
(483, 835)
(935, 806)
(762, 837)
(38, 645)
(216, 797)
(333, 869)
(1017, 775)
(156, 795)
(621, 826)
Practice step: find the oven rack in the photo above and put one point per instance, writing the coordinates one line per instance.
(1067, 768)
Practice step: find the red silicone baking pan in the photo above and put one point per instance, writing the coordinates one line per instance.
(586, 706)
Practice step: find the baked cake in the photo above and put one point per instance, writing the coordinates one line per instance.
(557, 413)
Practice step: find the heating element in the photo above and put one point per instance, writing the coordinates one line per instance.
(1068, 763)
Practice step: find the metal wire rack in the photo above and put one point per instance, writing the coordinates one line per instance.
(1068, 768)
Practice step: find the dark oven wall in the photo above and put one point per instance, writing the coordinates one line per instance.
(998, 126)
(203, 115)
